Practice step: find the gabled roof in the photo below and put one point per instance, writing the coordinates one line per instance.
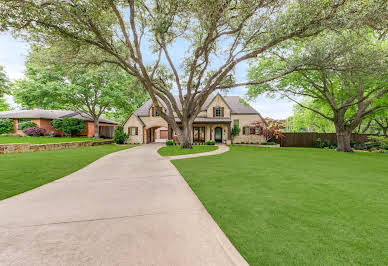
(50, 114)
(234, 102)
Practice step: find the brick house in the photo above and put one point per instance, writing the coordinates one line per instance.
(42, 119)
(214, 122)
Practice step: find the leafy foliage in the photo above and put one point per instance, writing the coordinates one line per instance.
(120, 137)
(26, 124)
(6, 125)
(170, 143)
(380, 142)
(53, 83)
(210, 142)
(69, 126)
(4, 106)
(345, 74)
(4, 82)
(235, 131)
(219, 35)
(34, 131)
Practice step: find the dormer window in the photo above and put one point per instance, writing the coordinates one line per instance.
(218, 111)
(154, 112)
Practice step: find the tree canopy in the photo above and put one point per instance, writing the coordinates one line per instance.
(97, 90)
(345, 73)
(219, 35)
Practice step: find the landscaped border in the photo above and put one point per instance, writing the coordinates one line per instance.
(27, 147)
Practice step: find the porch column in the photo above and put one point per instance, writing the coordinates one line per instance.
(229, 132)
(211, 132)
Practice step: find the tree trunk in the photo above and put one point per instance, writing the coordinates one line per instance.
(343, 141)
(185, 139)
(96, 129)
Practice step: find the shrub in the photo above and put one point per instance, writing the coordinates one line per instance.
(69, 126)
(6, 125)
(34, 131)
(268, 143)
(120, 137)
(210, 142)
(242, 142)
(380, 142)
(318, 143)
(24, 125)
(170, 143)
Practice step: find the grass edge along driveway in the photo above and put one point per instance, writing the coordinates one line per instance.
(296, 206)
(176, 150)
(21, 172)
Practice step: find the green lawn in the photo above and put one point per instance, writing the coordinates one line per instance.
(176, 150)
(24, 171)
(42, 140)
(296, 206)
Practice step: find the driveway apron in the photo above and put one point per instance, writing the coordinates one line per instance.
(128, 208)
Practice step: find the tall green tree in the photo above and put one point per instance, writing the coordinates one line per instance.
(218, 33)
(4, 88)
(4, 82)
(346, 72)
(305, 120)
(93, 90)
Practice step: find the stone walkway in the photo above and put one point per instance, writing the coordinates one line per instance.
(221, 149)
(128, 208)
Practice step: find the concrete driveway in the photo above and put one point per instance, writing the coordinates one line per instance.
(128, 208)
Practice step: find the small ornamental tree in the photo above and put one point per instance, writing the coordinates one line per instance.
(235, 131)
(69, 126)
(270, 132)
(34, 131)
(6, 125)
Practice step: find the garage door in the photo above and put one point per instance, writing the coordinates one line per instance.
(163, 134)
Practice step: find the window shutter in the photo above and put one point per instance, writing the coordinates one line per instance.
(153, 111)
(222, 111)
(251, 130)
(129, 131)
(244, 131)
(214, 112)
(137, 131)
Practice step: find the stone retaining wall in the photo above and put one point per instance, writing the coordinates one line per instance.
(27, 147)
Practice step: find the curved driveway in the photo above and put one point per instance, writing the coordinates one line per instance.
(128, 208)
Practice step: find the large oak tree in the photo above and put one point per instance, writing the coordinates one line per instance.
(346, 72)
(219, 35)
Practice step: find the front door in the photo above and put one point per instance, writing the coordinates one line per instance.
(218, 134)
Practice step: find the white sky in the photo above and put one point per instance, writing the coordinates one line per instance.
(13, 54)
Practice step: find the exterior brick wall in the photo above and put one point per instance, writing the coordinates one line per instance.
(27, 147)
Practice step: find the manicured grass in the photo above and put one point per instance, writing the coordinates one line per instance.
(24, 171)
(42, 140)
(176, 150)
(295, 206)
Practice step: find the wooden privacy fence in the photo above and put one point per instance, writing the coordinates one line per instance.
(309, 139)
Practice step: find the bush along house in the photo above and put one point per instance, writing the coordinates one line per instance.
(214, 123)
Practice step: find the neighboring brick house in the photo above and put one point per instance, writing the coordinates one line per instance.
(42, 119)
(214, 122)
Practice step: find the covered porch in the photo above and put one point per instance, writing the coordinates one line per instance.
(207, 129)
